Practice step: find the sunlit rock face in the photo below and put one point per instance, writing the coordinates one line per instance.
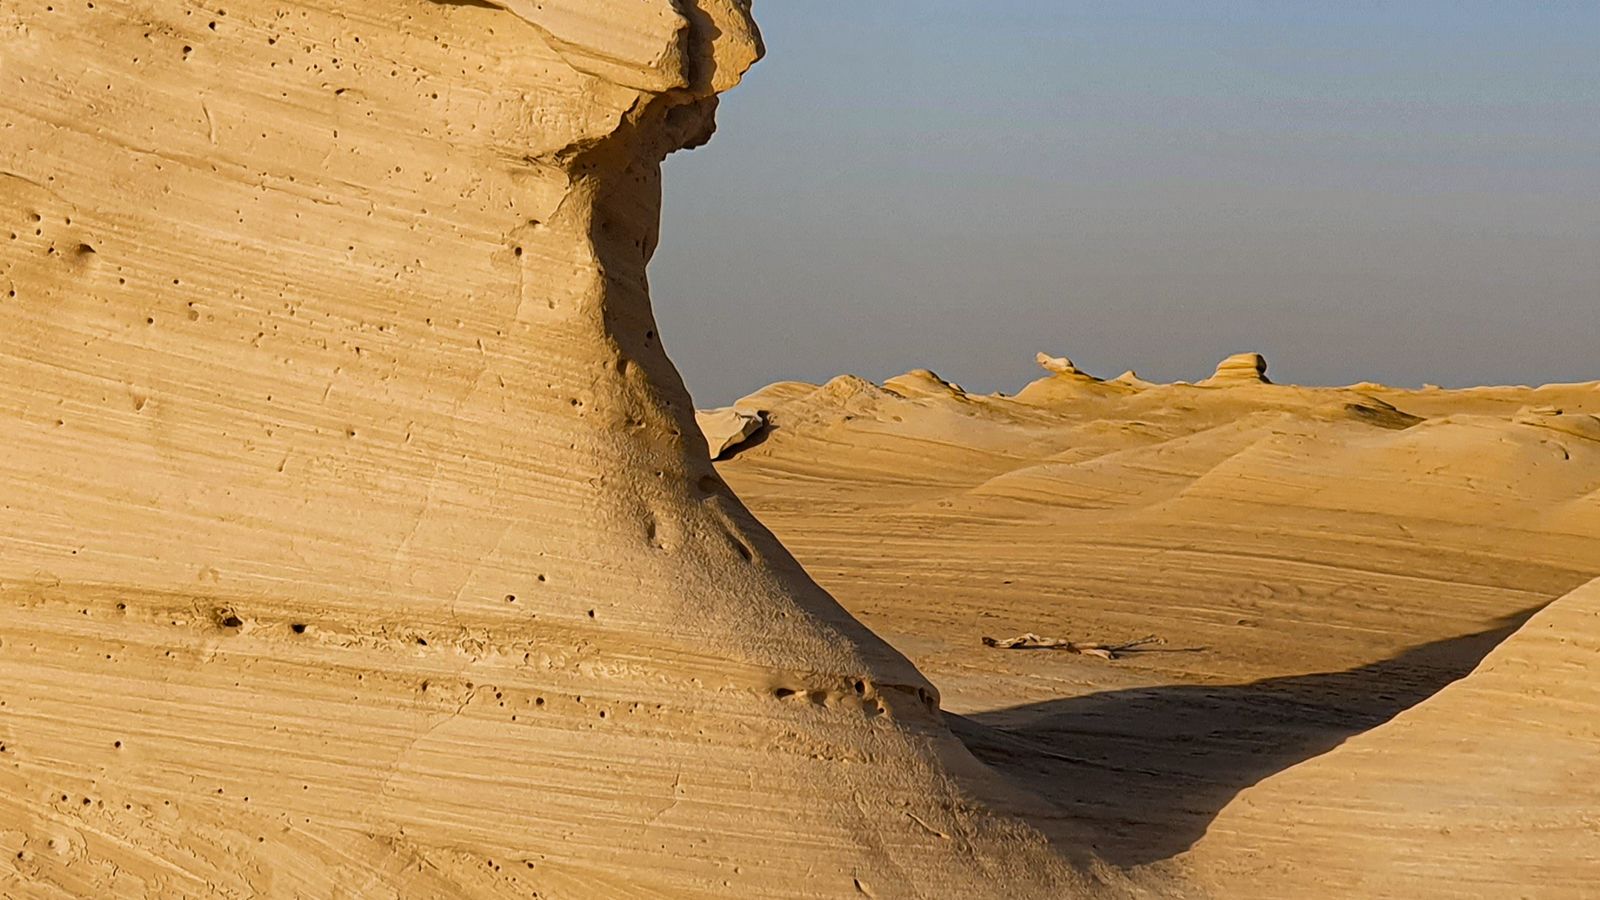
(357, 539)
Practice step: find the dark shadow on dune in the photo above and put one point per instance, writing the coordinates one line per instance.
(1148, 769)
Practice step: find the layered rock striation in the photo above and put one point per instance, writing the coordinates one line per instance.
(358, 539)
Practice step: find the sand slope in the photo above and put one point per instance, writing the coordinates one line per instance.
(1485, 789)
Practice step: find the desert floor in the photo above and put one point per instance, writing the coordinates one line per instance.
(1311, 561)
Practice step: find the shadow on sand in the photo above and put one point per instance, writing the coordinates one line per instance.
(1148, 769)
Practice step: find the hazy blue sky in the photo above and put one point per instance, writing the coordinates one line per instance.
(1404, 191)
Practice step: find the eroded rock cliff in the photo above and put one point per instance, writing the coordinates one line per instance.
(357, 537)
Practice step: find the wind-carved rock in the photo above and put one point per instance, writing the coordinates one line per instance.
(1240, 368)
(357, 535)
(1062, 366)
(727, 428)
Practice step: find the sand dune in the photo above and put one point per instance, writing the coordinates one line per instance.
(1317, 560)
(1485, 789)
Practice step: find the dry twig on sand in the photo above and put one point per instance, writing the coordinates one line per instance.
(1031, 641)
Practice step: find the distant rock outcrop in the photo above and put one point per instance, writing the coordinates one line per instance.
(1060, 365)
(1240, 368)
(923, 382)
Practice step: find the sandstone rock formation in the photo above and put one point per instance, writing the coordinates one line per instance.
(922, 381)
(727, 428)
(358, 539)
(1060, 365)
(1240, 368)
